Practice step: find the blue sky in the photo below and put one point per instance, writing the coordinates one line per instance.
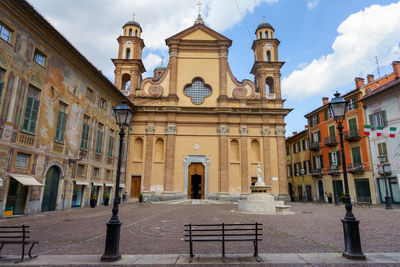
(325, 43)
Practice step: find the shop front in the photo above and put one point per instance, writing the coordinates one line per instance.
(78, 193)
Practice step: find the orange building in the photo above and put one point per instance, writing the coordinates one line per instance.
(324, 144)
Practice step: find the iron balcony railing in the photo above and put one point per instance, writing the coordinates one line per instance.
(314, 145)
(352, 135)
(386, 168)
(331, 141)
(355, 168)
(316, 172)
(333, 170)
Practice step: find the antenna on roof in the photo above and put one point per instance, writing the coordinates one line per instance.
(377, 66)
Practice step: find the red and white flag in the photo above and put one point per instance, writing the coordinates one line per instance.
(392, 131)
(379, 130)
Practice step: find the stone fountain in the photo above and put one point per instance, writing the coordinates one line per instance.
(261, 200)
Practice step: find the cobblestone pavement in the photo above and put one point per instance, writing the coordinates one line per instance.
(157, 228)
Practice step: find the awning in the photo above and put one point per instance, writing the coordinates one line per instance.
(110, 185)
(26, 180)
(81, 183)
(121, 186)
(97, 184)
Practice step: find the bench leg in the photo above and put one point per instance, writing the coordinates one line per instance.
(30, 250)
(2, 245)
(191, 249)
(255, 248)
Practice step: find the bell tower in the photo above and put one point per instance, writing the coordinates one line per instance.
(267, 68)
(129, 66)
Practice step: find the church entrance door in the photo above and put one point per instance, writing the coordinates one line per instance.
(196, 181)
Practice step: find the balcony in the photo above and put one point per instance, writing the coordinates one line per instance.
(355, 168)
(352, 136)
(110, 161)
(58, 148)
(333, 170)
(314, 146)
(82, 154)
(316, 173)
(331, 141)
(386, 168)
(98, 157)
(26, 139)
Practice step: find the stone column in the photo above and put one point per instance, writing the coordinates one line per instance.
(223, 182)
(170, 131)
(267, 155)
(173, 62)
(223, 62)
(148, 161)
(244, 159)
(117, 80)
(261, 84)
(277, 85)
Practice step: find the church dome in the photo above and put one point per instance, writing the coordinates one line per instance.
(160, 67)
(132, 23)
(265, 25)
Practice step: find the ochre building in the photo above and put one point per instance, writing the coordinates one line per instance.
(197, 132)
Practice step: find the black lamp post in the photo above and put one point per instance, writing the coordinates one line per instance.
(335, 189)
(350, 223)
(302, 172)
(383, 160)
(123, 117)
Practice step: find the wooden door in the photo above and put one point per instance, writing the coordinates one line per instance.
(51, 189)
(135, 186)
(195, 168)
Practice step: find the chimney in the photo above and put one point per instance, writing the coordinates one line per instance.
(370, 78)
(305, 127)
(325, 101)
(294, 133)
(359, 82)
(396, 67)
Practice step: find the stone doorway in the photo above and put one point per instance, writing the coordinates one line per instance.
(51, 189)
(196, 181)
(135, 186)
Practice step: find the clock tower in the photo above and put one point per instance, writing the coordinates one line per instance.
(266, 68)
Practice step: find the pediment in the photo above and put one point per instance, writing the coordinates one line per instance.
(198, 32)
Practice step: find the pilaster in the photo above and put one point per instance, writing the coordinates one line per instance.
(170, 131)
(223, 182)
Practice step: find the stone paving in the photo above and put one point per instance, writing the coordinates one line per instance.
(157, 228)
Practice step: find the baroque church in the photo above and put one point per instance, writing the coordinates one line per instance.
(197, 132)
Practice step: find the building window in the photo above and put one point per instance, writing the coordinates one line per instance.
(99, 142)
(110, 144)
(315, 119)
(287, 150)
(108, 174)
(289, 171)
(39, 58)
(268, 56)
(298, 148)
(31, 110)
(130, 32)
(356, 155)
(85, 133)
(378, 119)
(61, 123)
(334, 158)
(316, 136)
(89, 94)
(382, 149)
(330, 113)
(128, 53)
(96, 172)
(297, 167)
(103, 103)
(197, 91)
(22, 161)
(5, 33)
(2, 73)
(81, 170)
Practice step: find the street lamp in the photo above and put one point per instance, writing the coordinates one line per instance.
(302, 172)
(383, 160)
(335, 188)
(123, 117)
(350, 223)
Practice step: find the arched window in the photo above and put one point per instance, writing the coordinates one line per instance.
(234, 150)
(268, 56)
(128, 53)
(270, 85)
(159, 75)
(197, 91)
(159, 150)
(260, 35)
(266, 35)
(255, 151)
(135, 32)
(138, 149)
(130, 32)
(125, 81)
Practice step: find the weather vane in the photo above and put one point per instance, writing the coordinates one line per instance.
(199, 4)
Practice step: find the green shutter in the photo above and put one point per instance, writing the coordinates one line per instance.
(317, 118)
(30, 115)
(326, 114)
(332, 131)
(355, 102)
(21, 97)
(319, 136)
(310, 122)
(85, 136)
(314, 163)
(356, 155)
(99, 141)
(353, 125)
(384, 118)
(110, 146)
(27, 114)
(339, 162)
(371, 121)
(1, 89)
(58, 127)
(322, 161)
(330, 158)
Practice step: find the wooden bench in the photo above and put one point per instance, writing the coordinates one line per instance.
(223, 233)
(17, 235)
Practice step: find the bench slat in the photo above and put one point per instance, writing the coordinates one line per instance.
(6, 237)
(258, 234)
(220, 240)
(219, 230)
(13, 232)
(3, 227)
(225, 224)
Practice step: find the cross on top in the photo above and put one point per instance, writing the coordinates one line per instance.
(133, 16)
(263, 18)
(199, 4)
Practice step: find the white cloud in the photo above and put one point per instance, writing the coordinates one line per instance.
(312, 4)
(374, 31)
(93, 25)
(151, 61)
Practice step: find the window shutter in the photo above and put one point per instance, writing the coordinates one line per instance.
(310, 121)
(317, 118)
(314, 163)
(64, 122)
(355, 102)
(338, 158)
(303, 142)
(294, 148)
(27, 114)
(322, 161)
(319, 136)
(1, 89)
(34, 115)
(330, 159)
(58, 127)
(384, 118)
(371, 121)
(326, 114)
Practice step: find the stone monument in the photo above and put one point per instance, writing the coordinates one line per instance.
(260, 200)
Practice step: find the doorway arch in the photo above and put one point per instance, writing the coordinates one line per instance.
(205, 162)
(49, 200)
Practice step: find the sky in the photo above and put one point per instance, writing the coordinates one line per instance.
(325, 43)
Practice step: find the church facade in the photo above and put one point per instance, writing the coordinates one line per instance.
(197, 132)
